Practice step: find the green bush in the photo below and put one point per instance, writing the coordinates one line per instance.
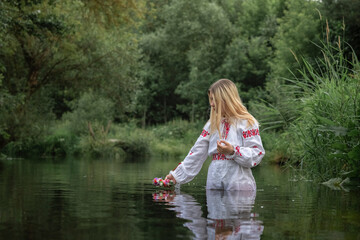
(23, 125)
(60, 142)
(329, 126)
(176, 137)
(313, 120)
(176, 129)
(278, 146)
(127, 141)
(132, 143)
(89, 108)
(97, 148)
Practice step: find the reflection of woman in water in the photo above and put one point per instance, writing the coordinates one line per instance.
(231, 137)
(229, 214)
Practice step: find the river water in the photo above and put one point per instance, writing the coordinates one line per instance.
(113, 199)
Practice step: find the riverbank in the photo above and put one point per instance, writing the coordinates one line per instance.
(126, 141)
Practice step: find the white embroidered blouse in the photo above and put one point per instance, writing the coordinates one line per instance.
(227, 172)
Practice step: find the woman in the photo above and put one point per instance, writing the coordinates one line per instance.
(231, 137)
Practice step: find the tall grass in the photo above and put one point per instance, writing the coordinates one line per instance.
(313, 121)
(328, 129)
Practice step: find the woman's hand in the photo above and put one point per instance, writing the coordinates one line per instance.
(171, 178)
(224, 147)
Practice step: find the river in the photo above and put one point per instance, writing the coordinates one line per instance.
(114, 199)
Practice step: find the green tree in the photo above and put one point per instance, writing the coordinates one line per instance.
(344, 22)
(247, 58)
(54, 51)
(190, 44)
(191, 38)
(299, 29)
(29, 57)
(296, 34)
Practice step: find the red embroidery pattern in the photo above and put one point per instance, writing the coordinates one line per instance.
(220, 223)
(219, 156)
(237, 151)
(191, 153)
(254, 164)
(250, 133)
(204, 133)
(226, 130)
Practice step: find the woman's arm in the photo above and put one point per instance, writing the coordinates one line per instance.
(251, 151)
(193, 162)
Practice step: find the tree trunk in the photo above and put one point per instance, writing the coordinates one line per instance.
(144, 119)
(91, 131)
(192, 118)
(165, 117)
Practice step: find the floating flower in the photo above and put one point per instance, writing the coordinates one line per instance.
(163, 182)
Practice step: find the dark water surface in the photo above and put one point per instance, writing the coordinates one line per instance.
(110, 199)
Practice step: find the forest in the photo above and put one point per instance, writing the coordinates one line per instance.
(129, 78)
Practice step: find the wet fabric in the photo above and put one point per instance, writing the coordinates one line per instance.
(227, 172)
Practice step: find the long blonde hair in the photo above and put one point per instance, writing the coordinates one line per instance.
(227, 104)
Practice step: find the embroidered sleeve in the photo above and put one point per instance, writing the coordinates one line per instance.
(191, 165)
(251, 151)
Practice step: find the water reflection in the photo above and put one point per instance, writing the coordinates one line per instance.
(230, 214)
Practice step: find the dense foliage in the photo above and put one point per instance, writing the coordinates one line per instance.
(52, 52)
(74, 72)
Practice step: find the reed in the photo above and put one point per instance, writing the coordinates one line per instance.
(328, 126)
(313, 121)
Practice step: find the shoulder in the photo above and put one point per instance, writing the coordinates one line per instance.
(244, 124)
(206, 129)
(207, 125)
(246, 130)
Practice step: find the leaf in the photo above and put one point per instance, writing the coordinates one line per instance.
(354, 153)
(339, 146)
(338, 130)
(336, 155)
(353, 133)
(325, 121)
(336, 183)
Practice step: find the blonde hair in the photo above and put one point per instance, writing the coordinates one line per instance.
(227, 104)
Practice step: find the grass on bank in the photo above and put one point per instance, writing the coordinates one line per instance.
(328, 128)
(125, 141)
(316, 124)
